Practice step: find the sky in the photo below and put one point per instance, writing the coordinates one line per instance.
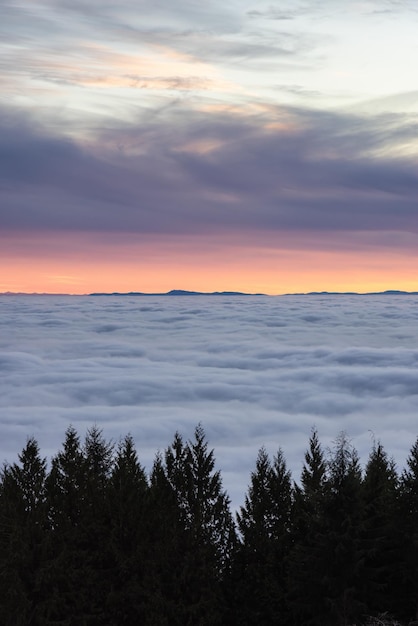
(255, 371)
(250, 146)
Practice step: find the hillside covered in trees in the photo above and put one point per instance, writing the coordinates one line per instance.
(91, 539)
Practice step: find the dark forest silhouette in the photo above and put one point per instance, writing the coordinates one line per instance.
(93, 540)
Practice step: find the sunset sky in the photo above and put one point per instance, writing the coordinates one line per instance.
(250, 146)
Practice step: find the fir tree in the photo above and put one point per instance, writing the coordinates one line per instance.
(66, 494)
(208, 504)
(66, 484)
(408, 524)
(206, 518)
(307, 569)
(380, 533)
(264, 526)
(165, 561)
(23, 538)
(95, 528)
(340, 544)
(80, 564)
(127, 493)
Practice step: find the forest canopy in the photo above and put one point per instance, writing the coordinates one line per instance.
(91, 538)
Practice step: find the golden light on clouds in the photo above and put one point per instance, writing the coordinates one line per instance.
(155, 67)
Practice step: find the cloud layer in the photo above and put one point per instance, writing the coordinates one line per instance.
(313, 173)
(254, 371)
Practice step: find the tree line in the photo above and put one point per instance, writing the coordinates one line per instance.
(93, 540)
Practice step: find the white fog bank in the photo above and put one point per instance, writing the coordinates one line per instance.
(254, 370)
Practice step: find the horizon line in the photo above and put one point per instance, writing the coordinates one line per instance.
(186, 292)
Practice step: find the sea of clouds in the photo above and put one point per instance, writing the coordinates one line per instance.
(253, 370)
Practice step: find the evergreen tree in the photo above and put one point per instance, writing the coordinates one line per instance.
(79, 568)
(80, 564)
(207, 509)
(206, 518)
(165, 560)
(95, 528)
(66, 484)
(23, 537)
(128, 491)
(192, 534)
(98, 455)
(340, 545)
(380, 533)
(128, 488)
(66, 495)
(408, 524)
(307, 568)
(313, 474)
(264, 525)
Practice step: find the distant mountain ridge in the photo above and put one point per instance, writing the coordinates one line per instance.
(388, 292)
(180, 292)
(184, 292)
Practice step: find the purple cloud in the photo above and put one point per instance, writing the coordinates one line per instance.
(324, 173)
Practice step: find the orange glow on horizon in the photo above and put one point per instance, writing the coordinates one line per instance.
(158, 267)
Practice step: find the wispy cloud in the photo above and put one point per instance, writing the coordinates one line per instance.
(311, 172)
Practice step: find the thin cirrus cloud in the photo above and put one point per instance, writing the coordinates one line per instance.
(254, 371)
